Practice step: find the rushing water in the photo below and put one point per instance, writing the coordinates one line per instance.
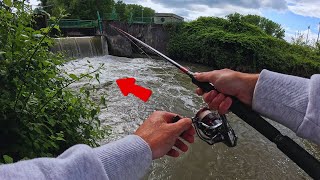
(253, 158)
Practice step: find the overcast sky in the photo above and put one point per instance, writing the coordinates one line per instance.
(293, 15)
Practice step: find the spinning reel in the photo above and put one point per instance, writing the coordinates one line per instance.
(213, 128)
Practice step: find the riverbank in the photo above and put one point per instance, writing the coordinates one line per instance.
(218, 43)
(221, 43)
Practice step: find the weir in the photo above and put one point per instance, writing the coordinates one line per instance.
(78, 47)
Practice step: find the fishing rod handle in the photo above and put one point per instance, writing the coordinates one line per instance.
(290, 148)
(300, 156)
(205, 86)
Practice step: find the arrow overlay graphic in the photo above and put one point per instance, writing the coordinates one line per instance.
(127, 86)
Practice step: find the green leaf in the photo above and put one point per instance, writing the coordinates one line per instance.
(103, 100)
(97, 77)
(56, 27)
(73, 76)
(60, 139)
(52, 122)
(8, 2)
(93, 113)
(7, 159)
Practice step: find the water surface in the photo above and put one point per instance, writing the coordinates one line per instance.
(253, 158)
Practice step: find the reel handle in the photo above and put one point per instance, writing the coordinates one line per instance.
(176, 119)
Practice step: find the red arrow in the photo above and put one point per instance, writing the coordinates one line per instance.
(128, 86)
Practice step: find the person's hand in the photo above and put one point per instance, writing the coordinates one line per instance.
(161, 134)
(227, 82)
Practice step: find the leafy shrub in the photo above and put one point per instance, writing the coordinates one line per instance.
(39, 114)
(238, 45)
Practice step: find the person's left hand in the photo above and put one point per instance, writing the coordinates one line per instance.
(162, 135)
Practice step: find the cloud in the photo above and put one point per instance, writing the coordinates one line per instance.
(250, 4)
(305, 8)
(308, 36)
(34, 2)
(191, 9)
(201, 10)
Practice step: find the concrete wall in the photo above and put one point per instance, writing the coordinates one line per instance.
(163, 18)
(152, 34)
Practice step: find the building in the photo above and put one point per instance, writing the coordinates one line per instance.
(163, 18)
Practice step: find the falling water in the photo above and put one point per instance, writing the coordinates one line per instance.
(77, 47)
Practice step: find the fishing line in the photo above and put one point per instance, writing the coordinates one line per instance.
(134, 44)
(144, 52)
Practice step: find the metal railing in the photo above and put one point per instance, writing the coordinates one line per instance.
(144, 20)
(76, 23)
(138, 20)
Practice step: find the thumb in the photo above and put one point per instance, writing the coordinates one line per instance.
(182, 125)
(206, 76)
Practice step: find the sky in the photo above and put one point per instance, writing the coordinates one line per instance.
(295, 16)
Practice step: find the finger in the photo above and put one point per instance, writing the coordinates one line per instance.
(207, 76)
(199, 91)
(208, 97)
(215, 103)
(191, 131)
(173, 153)
(168, 116)
(181, 126)
(181, 145)
(187, 137)
(225, 105)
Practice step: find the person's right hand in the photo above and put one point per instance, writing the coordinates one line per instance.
(228, 83)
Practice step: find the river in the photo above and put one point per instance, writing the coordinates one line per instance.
(253, 158)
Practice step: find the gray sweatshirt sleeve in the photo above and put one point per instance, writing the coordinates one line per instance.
(128, 158)
(291, 101)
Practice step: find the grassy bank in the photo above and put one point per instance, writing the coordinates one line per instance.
(235, 44)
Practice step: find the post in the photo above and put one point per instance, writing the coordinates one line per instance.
(308, 35)
(318, 33)
(99, 22)
(142, 14)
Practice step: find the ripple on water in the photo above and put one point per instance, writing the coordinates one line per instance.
(253, 158)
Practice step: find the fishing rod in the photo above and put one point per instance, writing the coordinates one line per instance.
(290, 148)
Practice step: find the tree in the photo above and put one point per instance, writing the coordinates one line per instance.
(78, 9)
(87, 9)
(268, 26)
(121, 10)
(136, 10)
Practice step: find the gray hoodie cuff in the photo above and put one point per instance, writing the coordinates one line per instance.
(310, 127)
(282, 98)
(127, 158)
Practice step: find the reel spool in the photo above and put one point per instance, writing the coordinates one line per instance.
(213, 128)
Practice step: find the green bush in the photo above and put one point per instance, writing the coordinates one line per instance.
(223, 43)
(39, 114)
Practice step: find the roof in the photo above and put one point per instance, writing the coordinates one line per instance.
(168, 15)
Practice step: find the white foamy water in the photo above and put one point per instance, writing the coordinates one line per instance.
(253, 158)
